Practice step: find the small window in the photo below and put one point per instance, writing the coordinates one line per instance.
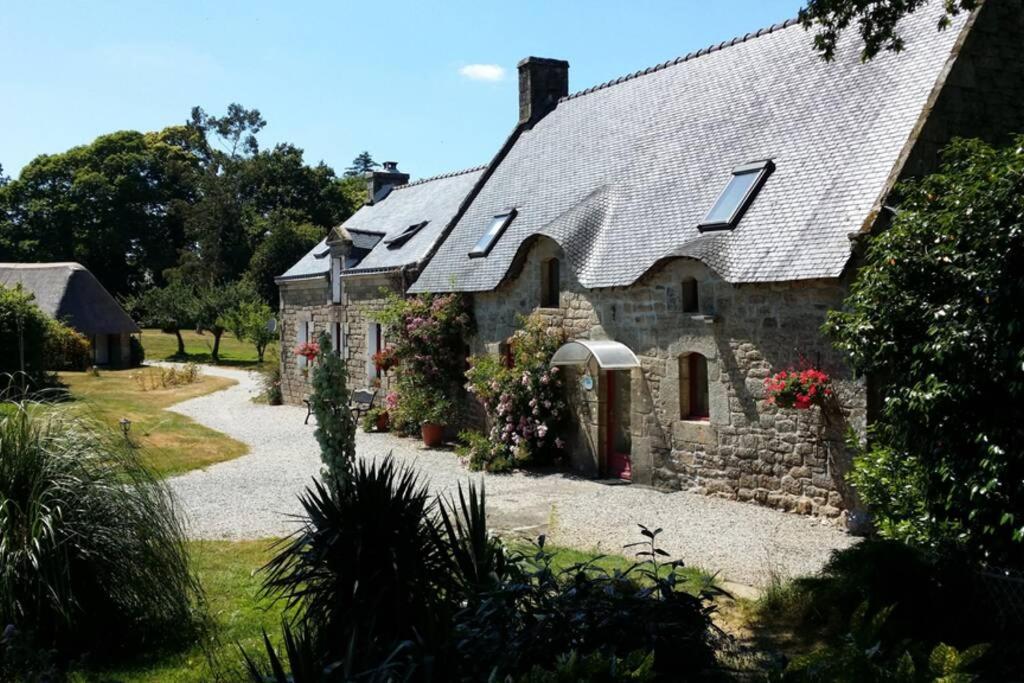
(693, 387)
(401, 238)
(550, 284)
(691, 304)
(737, 196)
(494, 230)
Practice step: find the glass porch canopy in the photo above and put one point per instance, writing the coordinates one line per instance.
(610, 355)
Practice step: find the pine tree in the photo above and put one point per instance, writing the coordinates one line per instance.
(336, 429)
(361, 164)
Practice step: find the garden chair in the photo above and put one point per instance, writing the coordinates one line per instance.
(362, 401)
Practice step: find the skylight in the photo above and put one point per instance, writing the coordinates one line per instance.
(401, 238)
(737, 196)
(494, 230)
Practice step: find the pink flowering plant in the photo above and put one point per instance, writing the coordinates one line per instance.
(427, 350)
(308, 350)
(524, 399)
(798, 389)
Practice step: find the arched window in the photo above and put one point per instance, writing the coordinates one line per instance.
(693, 387)
(691, 304)
(550, 284)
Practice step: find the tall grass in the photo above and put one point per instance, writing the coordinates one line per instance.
(92, 551)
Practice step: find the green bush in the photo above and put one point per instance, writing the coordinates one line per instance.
(934, 314)
(137, 352)
(385, 584)
(92, 554)
(23, 333)
(270, 382)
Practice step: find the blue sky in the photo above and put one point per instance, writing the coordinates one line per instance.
(411, 81)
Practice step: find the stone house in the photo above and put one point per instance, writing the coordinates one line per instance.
(337, 286)
(689, 226)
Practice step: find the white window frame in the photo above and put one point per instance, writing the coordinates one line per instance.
(336, 287)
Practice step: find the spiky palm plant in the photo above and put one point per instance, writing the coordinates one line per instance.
(92, 552)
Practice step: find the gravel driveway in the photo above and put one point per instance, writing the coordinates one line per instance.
(254, 496)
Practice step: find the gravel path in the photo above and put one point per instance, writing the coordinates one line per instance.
(254, 496)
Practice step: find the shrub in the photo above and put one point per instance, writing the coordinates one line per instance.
(65, 348)
(136, 352)
(524, 399)
(270, 383)
(335, 426)
(427, 334)
(92, 553)
(935, 313)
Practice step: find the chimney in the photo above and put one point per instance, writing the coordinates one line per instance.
(542, 82)
(380, 183)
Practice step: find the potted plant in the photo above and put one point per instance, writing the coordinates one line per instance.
(798, 389)
(434, 412)
(376, 419)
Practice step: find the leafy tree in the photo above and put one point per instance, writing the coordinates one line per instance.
(285, 243)
(170, 308)
(936, 313)
(210, 303)
(361, 164)
(876, 20)
(249, 322)
(335, 426)
(116, 205)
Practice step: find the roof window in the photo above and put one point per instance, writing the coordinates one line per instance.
(494, 230)
(737, 196)
(401, 238)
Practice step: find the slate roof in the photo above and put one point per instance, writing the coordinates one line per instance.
(71, 294)
(621, 174)
(434, 200)
(316, 264)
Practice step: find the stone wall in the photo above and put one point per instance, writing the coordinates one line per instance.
(309, 300)
(747, 449)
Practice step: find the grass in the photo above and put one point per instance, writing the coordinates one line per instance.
(228, 571)
(169, 443)
(162, 346)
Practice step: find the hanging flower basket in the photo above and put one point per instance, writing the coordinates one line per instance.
(799, 389)
(385, 360)
(308, 350)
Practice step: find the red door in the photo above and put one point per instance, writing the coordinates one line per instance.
(617, 441)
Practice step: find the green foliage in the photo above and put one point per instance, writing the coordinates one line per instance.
(92, 554)
(361, 164)
(170, 308)
(428, 334)
(877, 22)
(370, 418)
(285, 242)
(895, 485)
(335, 426)
(249, 321)
(524, 400)
(865, 657)
(35, 342)
(935, 311)
(210, 301)
(385, 585)
(270, 382)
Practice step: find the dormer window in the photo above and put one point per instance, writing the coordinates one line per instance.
(737, 196)
(401, 238)
(494, 230)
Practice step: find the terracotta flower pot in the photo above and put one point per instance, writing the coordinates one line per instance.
(383, 422)
(433, 434)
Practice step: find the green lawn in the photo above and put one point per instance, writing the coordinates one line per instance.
(162, 346)
(170, 443)
(229, 574)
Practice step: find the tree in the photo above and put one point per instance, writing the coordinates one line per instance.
(286, 241)
(250, 321)
(170, 309)
(361, 164)
(335, 427)
(936, 313)
(210, 303)
(877, 22)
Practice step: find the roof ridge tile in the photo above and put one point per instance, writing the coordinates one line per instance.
(441, 176)
(672, 62)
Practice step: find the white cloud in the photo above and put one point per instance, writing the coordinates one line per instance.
(483, 72)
